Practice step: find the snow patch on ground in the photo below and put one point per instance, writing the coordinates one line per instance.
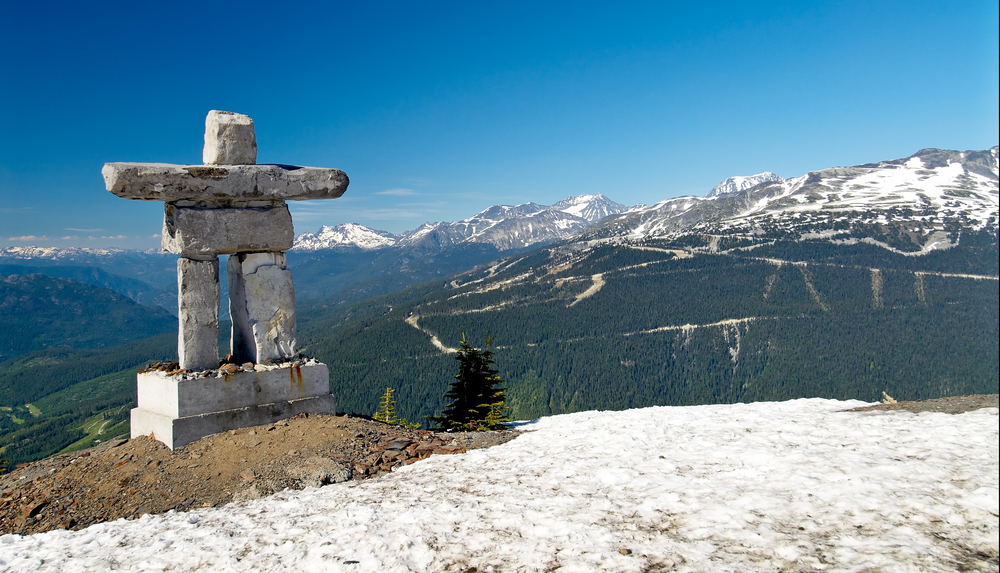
(799, 485)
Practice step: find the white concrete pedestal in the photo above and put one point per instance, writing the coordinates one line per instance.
(180, 408)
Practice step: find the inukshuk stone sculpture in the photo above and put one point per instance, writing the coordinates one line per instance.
(230, 205)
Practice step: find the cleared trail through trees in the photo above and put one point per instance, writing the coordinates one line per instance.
(686, 327)
(876, 288)
(779, 262)
(412, 321)
(598, 283)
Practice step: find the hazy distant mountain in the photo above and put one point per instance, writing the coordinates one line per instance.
(153, 267)
(94, 276)
(38, 312)
(121, 270)
(64, 254)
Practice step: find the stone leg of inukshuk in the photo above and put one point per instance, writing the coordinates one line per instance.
(229, 206)
(198, 313)
(262, 307)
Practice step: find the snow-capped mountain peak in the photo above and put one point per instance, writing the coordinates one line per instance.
(593, 208)
(742, 183)
(345, 235)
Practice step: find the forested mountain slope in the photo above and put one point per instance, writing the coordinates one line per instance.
(630, 325)
(39, 311)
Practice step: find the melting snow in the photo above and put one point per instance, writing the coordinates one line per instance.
(756, 487)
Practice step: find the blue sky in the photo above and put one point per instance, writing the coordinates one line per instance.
(437, 110)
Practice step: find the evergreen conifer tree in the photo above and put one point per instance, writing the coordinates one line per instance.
(387, 408)
(476, 396)
(387, 411)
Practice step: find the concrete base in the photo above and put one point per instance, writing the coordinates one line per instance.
(180, 408)
(183, 395)
(176, 432)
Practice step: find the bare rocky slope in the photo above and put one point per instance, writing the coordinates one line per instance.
(129, 478)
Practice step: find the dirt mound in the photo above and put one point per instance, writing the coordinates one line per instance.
(948, 405)
(128, 478)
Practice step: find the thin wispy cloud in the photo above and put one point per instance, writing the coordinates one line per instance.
(382, 214)
(342, 211)
(418, 182)
(398, 192)
(28, 238)
(426, 205)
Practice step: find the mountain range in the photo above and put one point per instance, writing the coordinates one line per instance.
(502, 226)
(934, 190)
(917, 200)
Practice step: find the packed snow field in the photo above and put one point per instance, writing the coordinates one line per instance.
(799, 485)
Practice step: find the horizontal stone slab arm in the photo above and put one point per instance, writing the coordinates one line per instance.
(167, 182)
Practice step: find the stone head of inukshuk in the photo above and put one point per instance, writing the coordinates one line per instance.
(230, 205)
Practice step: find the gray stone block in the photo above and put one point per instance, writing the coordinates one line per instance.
(177, 432)
(195, 230)
(166, 182)
(198, 313)
(262, 307)
(229, 139)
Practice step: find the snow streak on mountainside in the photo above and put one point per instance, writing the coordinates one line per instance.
(503, 226)
(923, 199)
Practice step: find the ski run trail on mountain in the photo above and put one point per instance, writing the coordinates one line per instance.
(598, 282)
(413, 319)
(802, 485)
